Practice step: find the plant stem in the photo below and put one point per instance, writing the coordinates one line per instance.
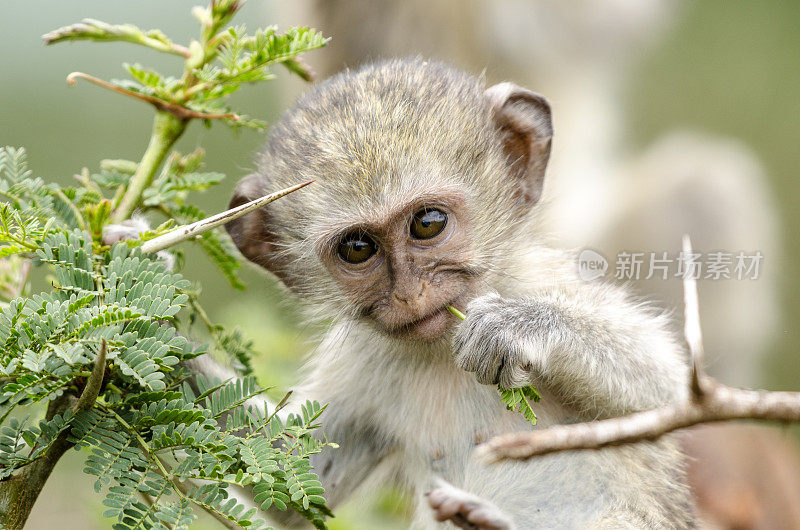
(179, 111)
(456, 312)
(19, 492)
(166, 130)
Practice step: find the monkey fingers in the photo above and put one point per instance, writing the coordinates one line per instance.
(466, 510)
(483, 344)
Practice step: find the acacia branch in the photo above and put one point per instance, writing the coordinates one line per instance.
(179, 111)
(90, 29)
(710, 401)
(19, 492)
(166, 131)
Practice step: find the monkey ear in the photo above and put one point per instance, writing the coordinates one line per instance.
(252, 232)
(523, 119)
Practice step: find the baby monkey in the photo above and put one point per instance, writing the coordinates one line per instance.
(426, 193)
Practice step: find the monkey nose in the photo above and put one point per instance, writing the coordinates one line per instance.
(400, 298)
(407, 298)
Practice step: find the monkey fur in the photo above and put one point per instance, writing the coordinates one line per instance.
(412, 390)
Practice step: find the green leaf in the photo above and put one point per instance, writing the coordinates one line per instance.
(90, 29)
(521, 399)
(143, 75)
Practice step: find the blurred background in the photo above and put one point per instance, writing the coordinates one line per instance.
(670, 117)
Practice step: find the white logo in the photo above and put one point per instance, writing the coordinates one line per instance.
(591, 265)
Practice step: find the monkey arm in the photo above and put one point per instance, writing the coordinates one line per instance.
(598, 351)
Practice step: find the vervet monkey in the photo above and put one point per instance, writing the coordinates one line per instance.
(582, 54)
(605, 192)
(427, 192)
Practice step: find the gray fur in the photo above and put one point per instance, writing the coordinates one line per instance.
(411, 412)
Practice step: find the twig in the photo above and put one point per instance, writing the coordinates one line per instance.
(456, 312)
(691, 329)
(710, 401)
(90, 29)
(179, 111)
(186, 486)
(166, 131)
(182, 233)
(719, 403)
(95, 381)
(151, 504)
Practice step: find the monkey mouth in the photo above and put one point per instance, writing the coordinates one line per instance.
(428, 328)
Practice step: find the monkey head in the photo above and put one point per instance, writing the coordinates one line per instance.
(424, 178)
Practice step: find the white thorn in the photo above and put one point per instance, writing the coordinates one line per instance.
(182, 233)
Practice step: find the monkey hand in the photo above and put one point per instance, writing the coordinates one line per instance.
(465, 510)
(492, 341)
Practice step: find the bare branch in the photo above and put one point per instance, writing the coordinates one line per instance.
(711, 401)
(719, 403)
(182, 233)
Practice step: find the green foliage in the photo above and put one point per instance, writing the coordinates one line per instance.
(147, 412)
(520, 399)
(243, 59)
(216, 67)
(96, 30)
(158, 447)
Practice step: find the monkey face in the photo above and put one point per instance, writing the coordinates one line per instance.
(424, 178)
(403, 265)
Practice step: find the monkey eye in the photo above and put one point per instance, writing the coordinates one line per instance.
(357, 248)
(428, 223)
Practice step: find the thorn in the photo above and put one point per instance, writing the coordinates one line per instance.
(182, 233)
(694, 337)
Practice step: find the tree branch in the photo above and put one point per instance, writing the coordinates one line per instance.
(719, 403)
(179, 111)
(166, 131)
(710, 401)
(19, 492)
